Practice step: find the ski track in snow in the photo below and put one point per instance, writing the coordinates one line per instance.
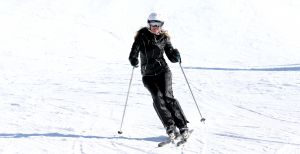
(259, 100)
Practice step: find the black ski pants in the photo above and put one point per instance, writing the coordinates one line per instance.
(165, 105)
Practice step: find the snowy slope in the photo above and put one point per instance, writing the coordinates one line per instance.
(64, 74)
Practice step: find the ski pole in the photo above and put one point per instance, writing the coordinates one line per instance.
(202, 119)
(120, 131)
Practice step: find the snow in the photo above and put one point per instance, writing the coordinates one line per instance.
(65, 73)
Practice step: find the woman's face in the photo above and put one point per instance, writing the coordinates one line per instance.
(155, 27)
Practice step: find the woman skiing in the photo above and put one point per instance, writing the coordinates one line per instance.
(151, 43)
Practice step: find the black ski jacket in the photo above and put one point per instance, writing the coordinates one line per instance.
(151, 48)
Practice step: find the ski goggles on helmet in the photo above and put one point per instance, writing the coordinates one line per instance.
(155, 23)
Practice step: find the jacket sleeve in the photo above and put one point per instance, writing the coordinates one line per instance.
(172, 54)
(135, 50)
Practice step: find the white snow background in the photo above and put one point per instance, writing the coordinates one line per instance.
(64, 75)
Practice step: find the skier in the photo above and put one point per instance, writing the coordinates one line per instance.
(151, 43)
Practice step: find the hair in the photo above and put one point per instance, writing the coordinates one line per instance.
(141, 30)
(166, 33)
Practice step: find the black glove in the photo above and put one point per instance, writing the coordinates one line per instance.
(177, 55)
(134, 63)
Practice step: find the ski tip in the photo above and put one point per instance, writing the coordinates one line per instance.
(181, 143)
(161, 144)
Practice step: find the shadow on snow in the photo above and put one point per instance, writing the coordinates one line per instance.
(59, 135)
(255, 139)
(286, 68)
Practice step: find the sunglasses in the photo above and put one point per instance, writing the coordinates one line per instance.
(156, 24)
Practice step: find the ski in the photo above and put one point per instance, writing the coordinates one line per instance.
(163, 143)
(184, 140)
(181, 142)
(178, 136)
(169, 140)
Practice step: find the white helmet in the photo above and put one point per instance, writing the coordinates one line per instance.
(154, 17)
